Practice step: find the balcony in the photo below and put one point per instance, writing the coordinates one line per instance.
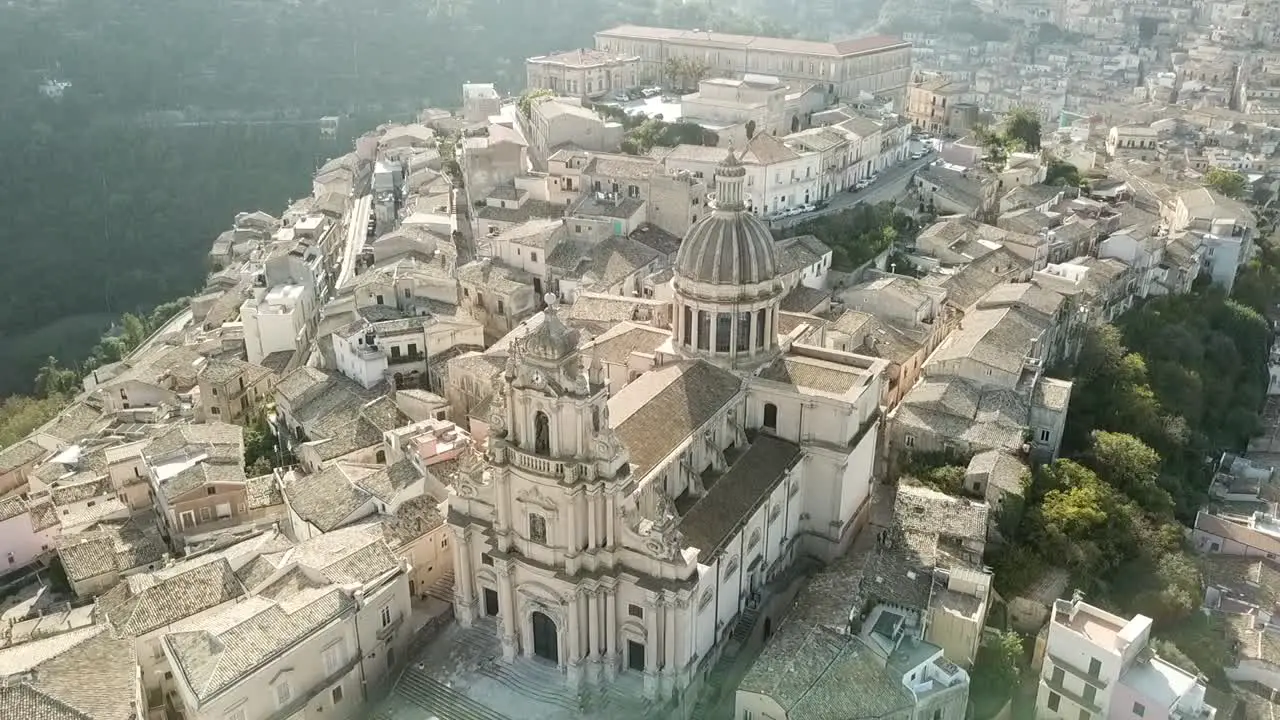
(406, 358)
(537, 463)
(1093, 680)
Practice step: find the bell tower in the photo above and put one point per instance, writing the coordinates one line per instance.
(553, 407)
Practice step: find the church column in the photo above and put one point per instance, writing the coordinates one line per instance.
(571, 542)
(464, 581)
(669, 637)
(593, 525)
(694, 326)
(510, 626)
(610, 509)
(593, 631)
(652, 608)
(502, 492)
(611, 633)
(573, 641)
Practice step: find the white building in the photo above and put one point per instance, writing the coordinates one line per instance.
(398, 351)
(276, 320)
(1100, 665)
(628, 533)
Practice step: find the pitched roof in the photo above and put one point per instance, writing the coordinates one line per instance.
(661, 408)
(328, 497)
(149, 601)
(20, 453)
(732, 497)
(110, 547)
(817, 376)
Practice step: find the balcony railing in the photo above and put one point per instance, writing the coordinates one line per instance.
(1084, 675)
(538, 464)
(404, 358)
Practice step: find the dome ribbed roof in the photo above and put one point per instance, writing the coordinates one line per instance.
(730, 246)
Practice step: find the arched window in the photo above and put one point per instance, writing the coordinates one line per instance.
(704, 330)
(762, 340)
(595, 419)
(724, 324)
(541, 433)
(731, 567)
(705, 600)
(380, 457)
(744, 332)
(755, 539)
(537, 528)
(771, 416)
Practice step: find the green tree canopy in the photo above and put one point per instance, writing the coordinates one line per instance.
(1228, 182)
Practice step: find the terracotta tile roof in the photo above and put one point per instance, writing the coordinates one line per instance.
(659, 410)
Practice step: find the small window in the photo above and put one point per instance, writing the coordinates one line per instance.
(1044, 436)
(380, 457)
(336, 694)
(1095, 667)
(212, 491)
(533, 257)
(283, 693)
(1139, 709)
(444, 542)
(215, 410)
(1054, 700)
(213, 391)
(501, 309)
(771, 416)
(386, 616)
(537, 528)
(408, 293)
(909, 441)
(486, 559)
(635, 611)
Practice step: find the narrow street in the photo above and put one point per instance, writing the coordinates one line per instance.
(356, 227)
(891, 186)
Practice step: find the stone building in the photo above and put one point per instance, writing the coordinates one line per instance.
(632, 530)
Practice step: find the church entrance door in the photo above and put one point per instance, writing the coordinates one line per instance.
(545, 643)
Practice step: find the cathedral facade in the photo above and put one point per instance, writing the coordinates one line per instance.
(627, 533)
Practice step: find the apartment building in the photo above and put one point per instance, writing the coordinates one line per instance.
(583, 73)
(876, 65)
(1099, 665)
(941, 106)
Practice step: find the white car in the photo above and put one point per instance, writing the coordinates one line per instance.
(861, 185)
(917, 155)
(808, 208)
(872, 179)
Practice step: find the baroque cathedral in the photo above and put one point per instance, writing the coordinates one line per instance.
(627, 532)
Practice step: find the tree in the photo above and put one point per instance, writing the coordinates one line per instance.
(1227, 182)
(999, 663)
(1065, 174)
(53, 380)
(1081, 521)
(528, 99)
(1130, 466)
(1022, 126)
(259, 445)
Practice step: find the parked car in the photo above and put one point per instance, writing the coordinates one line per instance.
(860, 185)
(651, 92)
(874, 177)
(808, 208)
(917, 155)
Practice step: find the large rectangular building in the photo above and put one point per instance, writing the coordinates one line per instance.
(878, 65)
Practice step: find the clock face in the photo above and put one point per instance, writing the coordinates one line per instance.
(536, 377)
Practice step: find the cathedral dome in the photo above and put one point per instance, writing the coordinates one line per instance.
(730, 246)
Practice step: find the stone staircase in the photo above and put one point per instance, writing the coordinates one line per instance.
(438, 700)
(746, 623)
(442, 589)
(539, 681)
